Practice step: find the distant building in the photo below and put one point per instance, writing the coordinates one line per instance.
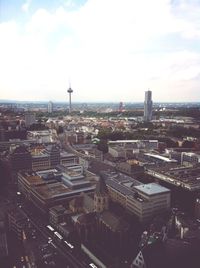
(50, 107)
(130, 167)
(123, 148)
(2, 134)
(136, 144)
(121, 107)
(41, 136)
(188, 157)
(68, 158)
(78, 137)
(148, 105)
(29, 119)
(117, 151)
(40, 161)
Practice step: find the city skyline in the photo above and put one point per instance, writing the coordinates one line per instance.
(110, 50)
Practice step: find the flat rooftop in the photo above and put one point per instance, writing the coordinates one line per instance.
(187, 177)
(34, 180)
(58, 190)
(39, 155)
(66, 154)
(160, 157)
(131, 141)
(46, 171)
(54, 190)
(151, 189)
(31, 178)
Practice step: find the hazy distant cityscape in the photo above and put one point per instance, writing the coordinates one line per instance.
(100, 184)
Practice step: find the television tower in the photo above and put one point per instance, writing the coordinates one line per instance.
(121, 107)
(70, 91)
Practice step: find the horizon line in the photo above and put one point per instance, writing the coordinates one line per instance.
(59, 101)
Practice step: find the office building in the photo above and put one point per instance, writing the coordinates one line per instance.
(54, 154)
(42, 136)
(180, 176)
(40, 161)
(142, 200)
(50, 107)
(148, 105)
(190, 158)
(56, 186)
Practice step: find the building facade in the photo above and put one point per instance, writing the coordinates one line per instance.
(148, 106)
(50, 107)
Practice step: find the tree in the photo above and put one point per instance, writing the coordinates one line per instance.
(103, 146)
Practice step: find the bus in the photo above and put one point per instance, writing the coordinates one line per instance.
(50, 228)
(69, 244)
(93, 265)
(58, 235)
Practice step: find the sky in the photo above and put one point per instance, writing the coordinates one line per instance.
(108, 50)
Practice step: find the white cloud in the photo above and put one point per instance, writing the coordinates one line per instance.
(104, 46)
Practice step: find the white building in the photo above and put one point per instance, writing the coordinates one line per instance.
(42, 136)
(142, 200)
(156, 198)
(136, 144)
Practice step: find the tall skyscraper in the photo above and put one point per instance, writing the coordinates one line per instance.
(50, 107)
(148, 105)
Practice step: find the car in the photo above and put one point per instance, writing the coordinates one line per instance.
(22, 258)
(93, 265)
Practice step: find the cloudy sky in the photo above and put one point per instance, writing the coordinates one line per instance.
(110, 50)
